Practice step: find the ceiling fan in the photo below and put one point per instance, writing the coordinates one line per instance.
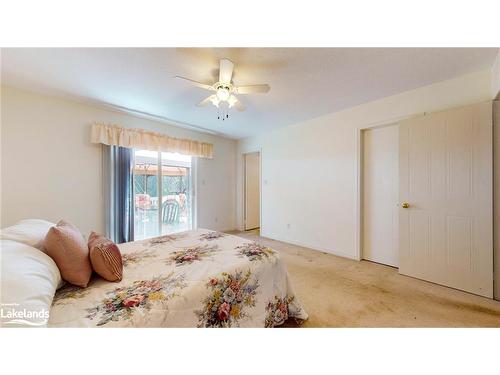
(225, 92)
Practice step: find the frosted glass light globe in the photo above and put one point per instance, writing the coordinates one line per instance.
(222, 94)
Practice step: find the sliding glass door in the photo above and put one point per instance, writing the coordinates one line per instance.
(163, 201)
(176, 196)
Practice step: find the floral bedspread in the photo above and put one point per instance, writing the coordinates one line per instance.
(197, 278)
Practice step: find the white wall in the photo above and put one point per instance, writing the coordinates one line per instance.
(51, 170)
(311, 168)
(495, 78)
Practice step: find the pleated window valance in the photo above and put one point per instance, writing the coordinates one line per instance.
(147, 140)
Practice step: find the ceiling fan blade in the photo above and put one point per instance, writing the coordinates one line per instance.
(205, 101)
(225, 71)
(252, 89)
(196, 83)
(239, 106)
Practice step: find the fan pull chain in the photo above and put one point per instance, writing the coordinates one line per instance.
(224, 113)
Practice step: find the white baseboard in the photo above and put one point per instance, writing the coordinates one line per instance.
(228, 230)
(218, 230)
(312, 247)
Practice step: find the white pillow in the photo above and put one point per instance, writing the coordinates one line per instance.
(30, 232)
(29, 279)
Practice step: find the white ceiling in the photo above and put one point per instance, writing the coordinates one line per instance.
(305, 82)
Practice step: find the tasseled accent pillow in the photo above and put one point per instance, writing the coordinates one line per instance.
(105, 257)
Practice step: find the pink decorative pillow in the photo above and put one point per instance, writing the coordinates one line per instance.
(105, 257)
(65, 244)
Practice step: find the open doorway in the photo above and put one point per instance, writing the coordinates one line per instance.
(252, 190)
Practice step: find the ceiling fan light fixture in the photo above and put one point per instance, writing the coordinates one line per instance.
(223, 94)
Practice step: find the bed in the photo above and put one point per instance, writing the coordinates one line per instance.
(198, 278)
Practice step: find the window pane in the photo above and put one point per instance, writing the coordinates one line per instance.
(146, 209)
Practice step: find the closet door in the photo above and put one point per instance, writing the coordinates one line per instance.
(445, 189)
(380, 195)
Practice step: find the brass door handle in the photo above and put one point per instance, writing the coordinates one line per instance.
(405, 205)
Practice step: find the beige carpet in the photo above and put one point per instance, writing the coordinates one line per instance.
(338, 292)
